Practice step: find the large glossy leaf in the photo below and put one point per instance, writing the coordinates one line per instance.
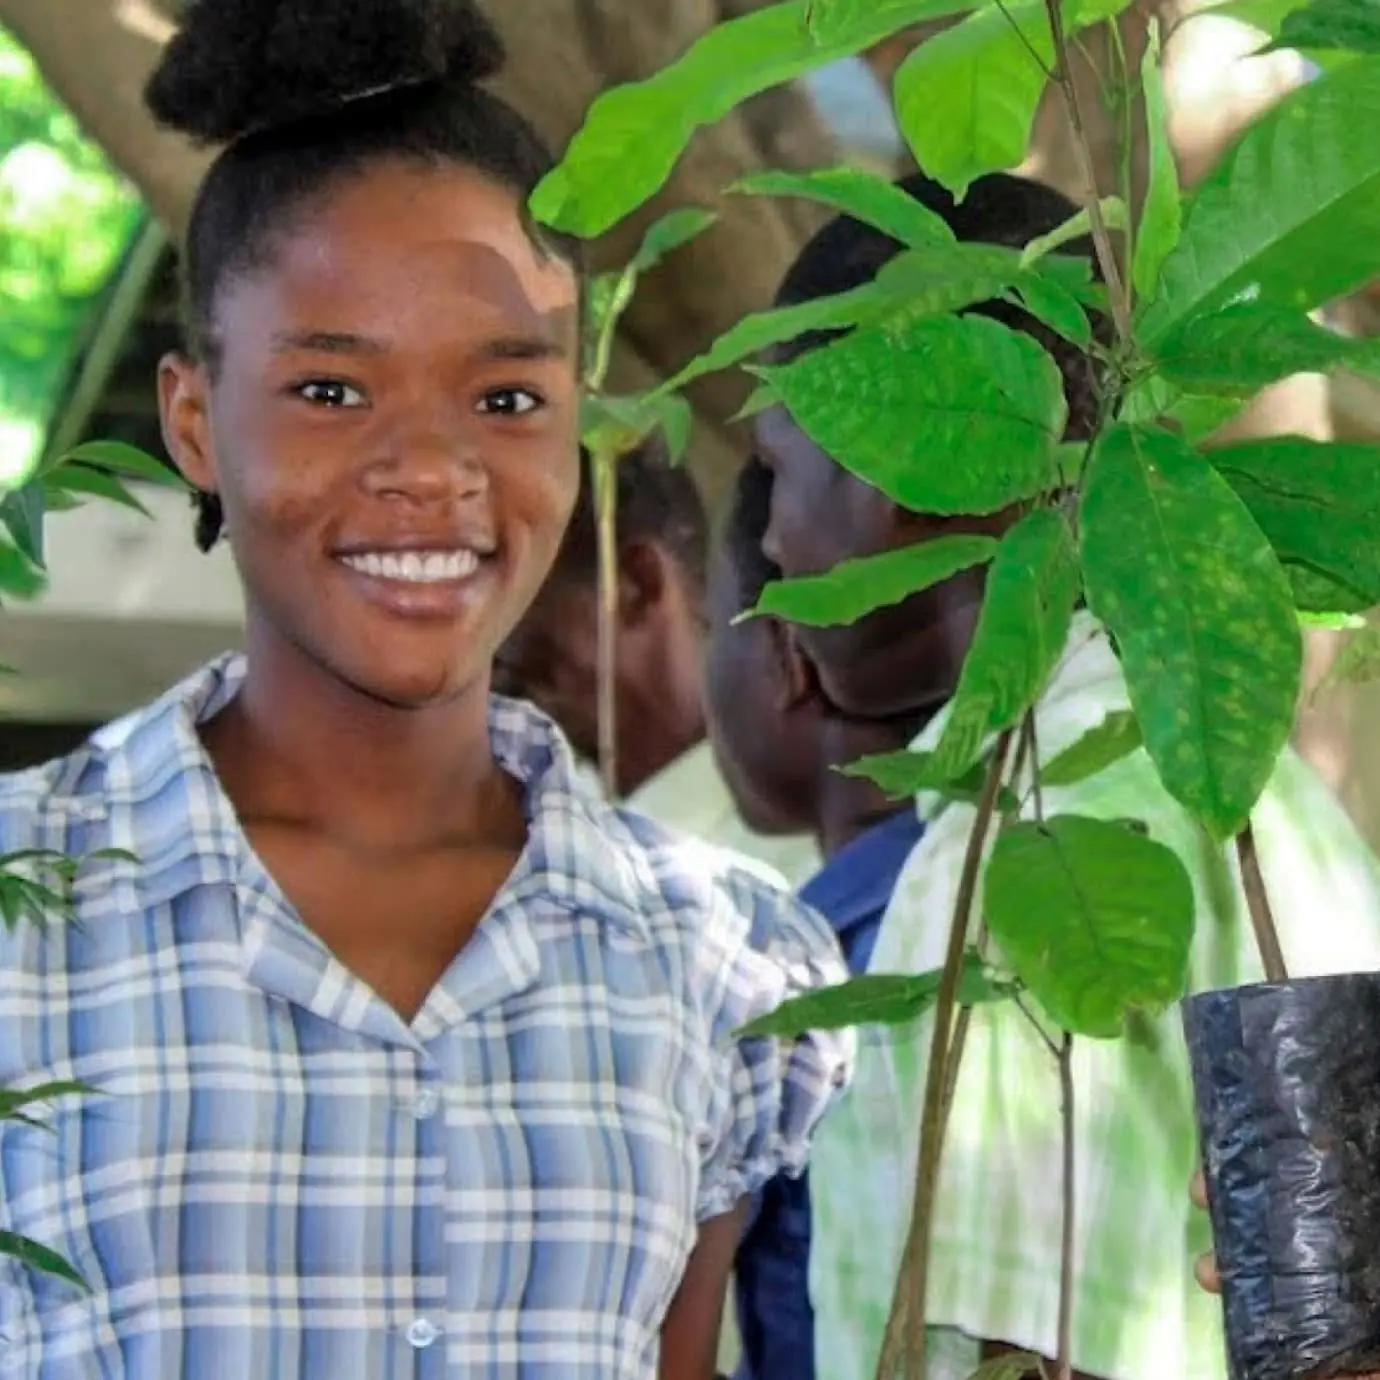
(1241, 348)
(875, 999)
(1095, 919)
(1318, 503)
(1291, 215)
(633, 135)
(966, 97)
(956, 415)
(855, 588)
(865, 196)
(1027, 609)
(1202, 615)
(1161, 217)
(832, 21)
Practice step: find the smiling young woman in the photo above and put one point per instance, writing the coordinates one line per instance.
(418, 1058)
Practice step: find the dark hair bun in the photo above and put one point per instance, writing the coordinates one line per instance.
(238, 66)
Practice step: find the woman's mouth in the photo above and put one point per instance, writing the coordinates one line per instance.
(415, 567)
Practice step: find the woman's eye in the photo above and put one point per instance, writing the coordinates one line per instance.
(329, 393)
(509, 402)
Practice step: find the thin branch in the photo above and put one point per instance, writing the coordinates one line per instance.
(1029, 46)
(1064, 1357)
(1024, 1008)
(905, 1329)
(1258, 904)
(606, 500)
(1036, 794)
(1102, 240)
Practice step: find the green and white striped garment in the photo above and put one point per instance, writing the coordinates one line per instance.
(1137, 1314)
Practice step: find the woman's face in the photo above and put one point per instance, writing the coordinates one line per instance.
(392, 428)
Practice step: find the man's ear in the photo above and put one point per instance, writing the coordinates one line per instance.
(184, 409)
(644, 581)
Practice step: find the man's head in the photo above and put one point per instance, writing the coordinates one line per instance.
(552, 657)
(906, 657)
(764, 714)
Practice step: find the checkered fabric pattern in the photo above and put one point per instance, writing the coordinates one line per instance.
(280, 1178)
(1137, 1313)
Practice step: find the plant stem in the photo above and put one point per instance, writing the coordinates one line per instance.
(1064, 1358)
(1258, 904)
(1102, 240)
(606, 502)
(905, 1328)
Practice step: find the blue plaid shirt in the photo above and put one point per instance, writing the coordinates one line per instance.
(281, 1179)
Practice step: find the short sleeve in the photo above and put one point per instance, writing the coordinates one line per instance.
(766, 1095)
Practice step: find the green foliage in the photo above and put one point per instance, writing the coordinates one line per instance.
(1161, 218)
(863, 195)
(907, 409)
(1026, 613)
(633, 135)
(855, 588)
(1114, 215)
(876, 999)
(1012, 1365)
(1203, 618)
(1095, 919)
(1291, 216)
(1319, 505)
(1358, 663)
(1323, 25)
(1116, 737)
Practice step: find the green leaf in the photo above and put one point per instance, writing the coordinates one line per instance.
(39, 1257)
(763, 329)
(1351, 25)
(855, 588)
(1021, 632)
(874, 999)
(1077, 227)
(611, 425)
(1198, 417)
(1291, 215)
(1116, 737)
(1331, 622)
(19, 577)
(1241, 348)
(1318, 503)
(14, 1100)
(967, 789)
(633, 135)
(1202, 616)
(1315, 595)
(966, 97)
(1095, 918)
(953, 415)
(1050, 301)
(121, 459)
(874, 200)
(22, 512)
(831, 21)
(1161, 216)
(79, 479)
(670, 233)
(761, 398)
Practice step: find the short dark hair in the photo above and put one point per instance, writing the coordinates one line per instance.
(744, 529)
(304, 93)
(999, 209)
(656, 500)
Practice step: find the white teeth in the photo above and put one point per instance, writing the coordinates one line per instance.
(415, 567)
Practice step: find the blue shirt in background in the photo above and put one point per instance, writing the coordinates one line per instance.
(771, 1272)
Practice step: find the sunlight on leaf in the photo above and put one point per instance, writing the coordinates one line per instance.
(1203, 619)
(1096, 919)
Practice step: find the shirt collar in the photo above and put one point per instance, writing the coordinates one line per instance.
(856, 883)
(163, 804)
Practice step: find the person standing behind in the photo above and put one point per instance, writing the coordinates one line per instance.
(779, 748)
(413, 1056)
(996, 1245)
(665, 766)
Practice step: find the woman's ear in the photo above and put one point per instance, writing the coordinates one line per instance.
(185, 413)
(644, 581)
